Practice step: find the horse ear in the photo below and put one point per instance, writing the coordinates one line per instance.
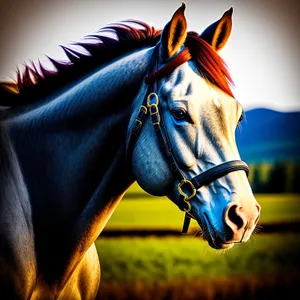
(217, 34)
(174, 33)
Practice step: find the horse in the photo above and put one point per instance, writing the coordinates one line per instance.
(146, 105)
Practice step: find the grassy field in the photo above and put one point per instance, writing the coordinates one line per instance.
(151, 268)
(147, 212)
(165, 259)
(186, 267)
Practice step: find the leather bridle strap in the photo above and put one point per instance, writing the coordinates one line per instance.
(203, 179)
(152, 78)
(152, 103)
(218, 171)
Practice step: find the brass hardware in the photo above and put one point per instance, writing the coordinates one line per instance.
(156, 99)
(187, 197)
(153, 108)
(191, 186)
(144, 108)
(189, 206)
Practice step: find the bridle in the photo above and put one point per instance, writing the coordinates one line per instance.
(187, 188)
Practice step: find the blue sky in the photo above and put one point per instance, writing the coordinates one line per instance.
(262, 53)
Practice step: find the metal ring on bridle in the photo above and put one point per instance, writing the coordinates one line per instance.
(191, 187)
(156, 99)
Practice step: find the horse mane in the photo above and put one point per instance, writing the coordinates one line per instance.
(32, 84)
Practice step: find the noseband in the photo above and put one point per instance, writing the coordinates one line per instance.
(187, 188)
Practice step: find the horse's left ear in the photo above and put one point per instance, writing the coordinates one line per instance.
(217, 34)
(174, 33)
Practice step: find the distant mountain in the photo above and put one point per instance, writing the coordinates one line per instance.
(267, 136)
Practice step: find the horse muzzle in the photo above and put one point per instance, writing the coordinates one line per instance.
(234, 225)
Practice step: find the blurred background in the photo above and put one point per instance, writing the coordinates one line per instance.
(142, 253)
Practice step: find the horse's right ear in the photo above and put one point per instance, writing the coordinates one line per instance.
(217, 34)
(174, 33)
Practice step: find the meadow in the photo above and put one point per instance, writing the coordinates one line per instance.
(139, 210)
(185, 267)
(165, 259)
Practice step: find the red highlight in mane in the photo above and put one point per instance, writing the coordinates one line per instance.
(209, 63)
(32, 84)
(181, 58)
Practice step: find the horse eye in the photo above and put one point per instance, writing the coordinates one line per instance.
(179, 114)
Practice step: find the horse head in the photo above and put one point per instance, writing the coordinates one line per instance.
(191, 132)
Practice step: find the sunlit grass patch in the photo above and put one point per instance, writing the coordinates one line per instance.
(161, 213)
(168, 259)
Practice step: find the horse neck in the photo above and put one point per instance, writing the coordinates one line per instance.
(72, 150)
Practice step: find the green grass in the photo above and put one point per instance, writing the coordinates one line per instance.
(146, 212)
(279, 207)
(185, 267)
(187, 258)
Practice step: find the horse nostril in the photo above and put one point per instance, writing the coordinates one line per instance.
(234, 217)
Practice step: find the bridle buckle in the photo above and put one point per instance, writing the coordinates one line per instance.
(153, 108)
(149, 104)
(187, 197)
